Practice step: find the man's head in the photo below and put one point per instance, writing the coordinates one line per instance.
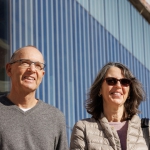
(26, 69)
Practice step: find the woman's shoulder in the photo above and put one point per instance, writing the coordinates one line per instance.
(88, 122)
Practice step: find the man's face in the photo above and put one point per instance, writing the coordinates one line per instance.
(26, 79)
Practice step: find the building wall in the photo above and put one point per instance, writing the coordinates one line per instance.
(77, 37)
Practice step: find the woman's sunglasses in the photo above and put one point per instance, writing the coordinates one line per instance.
(113, 81)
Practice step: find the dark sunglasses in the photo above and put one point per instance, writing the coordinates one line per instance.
(113, 81)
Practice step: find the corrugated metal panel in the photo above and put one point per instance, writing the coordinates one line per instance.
(97, 10)
(119, 18)
(84, 3)
(125, 34)
(76, 45)
(146, 47)
(137, 35)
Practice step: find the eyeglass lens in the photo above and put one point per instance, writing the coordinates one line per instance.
(27, 63)
(113, 81)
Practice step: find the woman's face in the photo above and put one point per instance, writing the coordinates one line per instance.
(114, 95)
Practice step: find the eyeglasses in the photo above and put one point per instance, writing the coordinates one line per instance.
(27, 63)
(113, 81)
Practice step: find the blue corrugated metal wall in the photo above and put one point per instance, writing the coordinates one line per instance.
(77, 38)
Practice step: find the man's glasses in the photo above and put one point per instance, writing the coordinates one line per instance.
(113, 81)
(27, 63)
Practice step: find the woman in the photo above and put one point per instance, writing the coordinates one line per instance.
(113, 102)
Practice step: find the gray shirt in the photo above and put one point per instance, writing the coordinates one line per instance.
(40, 128)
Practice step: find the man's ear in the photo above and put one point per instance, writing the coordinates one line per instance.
(43, 72)
(8, 69)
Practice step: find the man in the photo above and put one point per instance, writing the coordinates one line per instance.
(27, 123)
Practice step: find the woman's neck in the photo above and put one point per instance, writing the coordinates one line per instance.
(114, 115)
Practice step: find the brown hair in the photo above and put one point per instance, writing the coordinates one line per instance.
(94, 104)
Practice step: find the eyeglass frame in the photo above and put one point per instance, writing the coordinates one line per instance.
(31, 62)
(120, 80)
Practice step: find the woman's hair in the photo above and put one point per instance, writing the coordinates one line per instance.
(94, 104)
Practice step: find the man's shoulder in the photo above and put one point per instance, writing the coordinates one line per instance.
(4, 100)
(51, 109)
(2, 97)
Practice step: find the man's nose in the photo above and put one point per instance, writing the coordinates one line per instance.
(32, 67)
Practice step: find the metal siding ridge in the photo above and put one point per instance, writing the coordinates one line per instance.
(57, 57)
(19, 24)
(47, 99)
(95, 50)
(53, 57)
(42, 47)
(137, 36)
(79, 56)
(26, 21)
(84, 3)
(71, 92)
(91, 49)
(66, 72)
(63, 68)
(85, 32)
(76, 66)
(81, 52)
(37, 37)
(31, 22)
(146, 33)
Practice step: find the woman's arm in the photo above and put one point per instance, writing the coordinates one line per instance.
(78, 138)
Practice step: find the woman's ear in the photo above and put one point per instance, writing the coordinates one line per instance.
(100, 93)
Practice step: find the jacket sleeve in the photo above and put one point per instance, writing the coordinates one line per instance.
(78, 138)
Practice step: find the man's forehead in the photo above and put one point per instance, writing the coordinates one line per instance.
(29, 52)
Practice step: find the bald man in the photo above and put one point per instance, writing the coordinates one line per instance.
(27, 123)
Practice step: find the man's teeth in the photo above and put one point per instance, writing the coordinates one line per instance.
(29, 78)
